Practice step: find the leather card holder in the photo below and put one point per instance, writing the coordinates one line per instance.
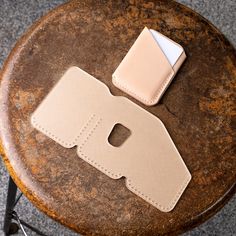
(149, 67)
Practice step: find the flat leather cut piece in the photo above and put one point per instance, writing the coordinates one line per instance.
(80, 111)
(149, 67)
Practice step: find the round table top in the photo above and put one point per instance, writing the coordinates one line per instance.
(197, 110)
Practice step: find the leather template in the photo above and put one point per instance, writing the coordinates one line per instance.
(80, 111)
(149, 67)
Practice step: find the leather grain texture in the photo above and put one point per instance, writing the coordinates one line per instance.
(145, 72)
(80, 111)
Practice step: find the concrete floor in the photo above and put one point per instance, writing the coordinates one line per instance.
(17, 15)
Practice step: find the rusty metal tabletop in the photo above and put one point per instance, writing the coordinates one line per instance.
(198, 110)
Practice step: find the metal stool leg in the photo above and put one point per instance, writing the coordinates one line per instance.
(10, 227)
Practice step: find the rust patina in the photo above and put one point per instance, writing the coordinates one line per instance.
(198, 110)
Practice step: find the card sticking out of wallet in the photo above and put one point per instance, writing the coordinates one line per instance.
(80, 111)
(149, 66)
(171, 49)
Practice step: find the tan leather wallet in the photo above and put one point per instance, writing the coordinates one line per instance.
(149, 66)
(80, 111)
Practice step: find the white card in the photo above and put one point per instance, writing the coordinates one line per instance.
(171, 49)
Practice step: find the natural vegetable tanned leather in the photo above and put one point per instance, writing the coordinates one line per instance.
(145, 72)
(80, 111)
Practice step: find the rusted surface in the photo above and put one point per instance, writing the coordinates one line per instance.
(198, 110)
